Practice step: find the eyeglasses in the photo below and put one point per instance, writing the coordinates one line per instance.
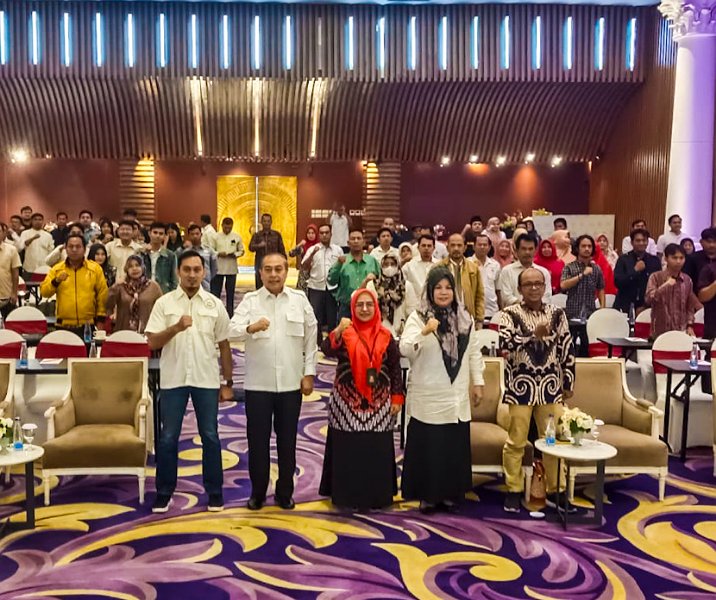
(364, 305)
(535, 285)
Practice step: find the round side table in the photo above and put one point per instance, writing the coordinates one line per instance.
(27, 458)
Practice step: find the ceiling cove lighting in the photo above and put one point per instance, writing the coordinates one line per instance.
(537, 43)
(568, 43)
(631, 44)
(350, 44)
(530, 158)
(501, 161)
(256, 45)
(66, 40)
(599, 44)
(130, 40)
(445, 161)
(162, 41)
(193, 42)
(475, 42)
(287, 43)
(34, 38)
(473, 159)
(380, 55)
(412, 43)
(225, 43)
(3, 38)
(505, 42)
(98, 40)
(556, 161)
(443, 43)
(18, 156)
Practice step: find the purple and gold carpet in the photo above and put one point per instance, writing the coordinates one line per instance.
(96, 541)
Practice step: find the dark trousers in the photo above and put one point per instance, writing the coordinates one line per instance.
(217, 283)
(283, 408)
(583, 348)
(206, 407)
(325, 308)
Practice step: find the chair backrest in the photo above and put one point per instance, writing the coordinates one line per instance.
(671, 345)
(495, 321)
(7, 379)
(699, 323)
(599, 388)
(485, 338)
(494, 376)
(106, 390)
(609, 300)
(39, 275)
(123, 344)
(10, 343)
(61, 344)
(21, 287)
(27, 319)
(560, 300)
(642, 324)
(607, 322)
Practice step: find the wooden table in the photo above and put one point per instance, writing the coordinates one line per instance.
(691, 376)
(589, 451)
(628, 345)
(19, 457)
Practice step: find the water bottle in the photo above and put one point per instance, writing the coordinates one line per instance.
(23, 354)
(93, 350)
(17, 434)
(2, 322)
(88, 332)
(694, 359)
(632, 316)
(493, 349)
(550, 432)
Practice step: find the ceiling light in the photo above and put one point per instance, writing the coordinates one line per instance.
(501, 161)
(18, 156)
(473, 159)
(529, 158)
(556, 161)
(444, 161)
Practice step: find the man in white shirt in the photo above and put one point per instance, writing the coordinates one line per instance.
(37, 244)
(440, 250)
(508, 284)
(626, 242)
(673, 236)
(119, 250)
(490, 272)
(207, 231)
(318, 261)
(340, 224)
(416, 271)
(188, 324)
(9, 273)
(385, 239)
(278, 327)
(228, 246)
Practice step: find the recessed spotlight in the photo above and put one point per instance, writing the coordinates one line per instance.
(473, 159)
(18, 156)
(444, 161)
(501, 161)
(556, 161)
(529, 158)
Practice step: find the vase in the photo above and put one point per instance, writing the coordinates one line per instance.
(577, 438)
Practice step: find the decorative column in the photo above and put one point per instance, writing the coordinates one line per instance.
(691, 164)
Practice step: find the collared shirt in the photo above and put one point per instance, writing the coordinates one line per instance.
(207, 235)
(349, 275)
(274, 244)
(631, 284)
(627, 247)
(490, 272)
(581, 298)
(209, 257)
(416, 272)
(440, 252)
(118, 253)
(230, 243)
(672, 306)
(153, 258)
(339, 229)
(536, 371)
(510, 291)
(378, 253)
(322, 259)
(191, 357)
(9, 260)
(277, 358)
(670, 237)
(36, 252)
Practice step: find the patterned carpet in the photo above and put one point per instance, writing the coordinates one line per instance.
(95, 540)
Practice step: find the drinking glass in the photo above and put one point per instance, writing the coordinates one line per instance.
(28, 433)
(595, 429)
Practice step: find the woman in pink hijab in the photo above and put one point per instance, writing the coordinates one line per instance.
(563, 244)
(547, 257)
(503, 253)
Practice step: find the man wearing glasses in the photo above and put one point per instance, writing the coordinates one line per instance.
(539, 374)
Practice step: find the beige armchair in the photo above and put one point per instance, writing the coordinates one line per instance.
(99, 427)
(490, 424)
(631, 424)
(7, 386)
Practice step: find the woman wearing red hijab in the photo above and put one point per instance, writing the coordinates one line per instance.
(607, 271)
(299, 251)
(547, 258)
(359, 462)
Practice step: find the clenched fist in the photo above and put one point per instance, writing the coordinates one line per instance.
(62, 276)
(261, 325)
(184, 323)
(431, 326)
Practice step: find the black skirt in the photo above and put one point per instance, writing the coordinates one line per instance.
(437, 465)
(359, 469)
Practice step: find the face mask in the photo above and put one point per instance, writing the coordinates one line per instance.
(390, 271)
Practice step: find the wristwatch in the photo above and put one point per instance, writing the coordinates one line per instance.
(229, 383)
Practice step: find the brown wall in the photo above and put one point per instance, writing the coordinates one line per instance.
(632, 178)
(51, 185)
(185, 189)
(450, 195)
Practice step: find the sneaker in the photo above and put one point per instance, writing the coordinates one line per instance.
(556, 500)
(161, 503)
(216, 503)
(513, 502)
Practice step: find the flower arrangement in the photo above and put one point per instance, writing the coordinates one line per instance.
(575, 423)
(541, 212)
(6, 426)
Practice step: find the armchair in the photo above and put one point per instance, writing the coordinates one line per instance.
(490, 425)
(631, 424)
(99, 427)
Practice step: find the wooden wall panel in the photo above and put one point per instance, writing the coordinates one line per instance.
(631, 178)
(381, 195)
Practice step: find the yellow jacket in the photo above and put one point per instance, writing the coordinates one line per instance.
(81, 298)
(473, 291)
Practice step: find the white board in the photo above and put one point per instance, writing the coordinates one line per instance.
(594, 225)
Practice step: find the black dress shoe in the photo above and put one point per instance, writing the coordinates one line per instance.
(254, 503)
(286, 503)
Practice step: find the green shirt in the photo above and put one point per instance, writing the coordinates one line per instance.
(349, 275)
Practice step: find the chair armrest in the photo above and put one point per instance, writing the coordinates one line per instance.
(60, 418)
(637, 416)
(140, 419)
(4, 405)
(503, 416)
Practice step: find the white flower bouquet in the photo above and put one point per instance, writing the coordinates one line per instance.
(575, 423)
(6, 426)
